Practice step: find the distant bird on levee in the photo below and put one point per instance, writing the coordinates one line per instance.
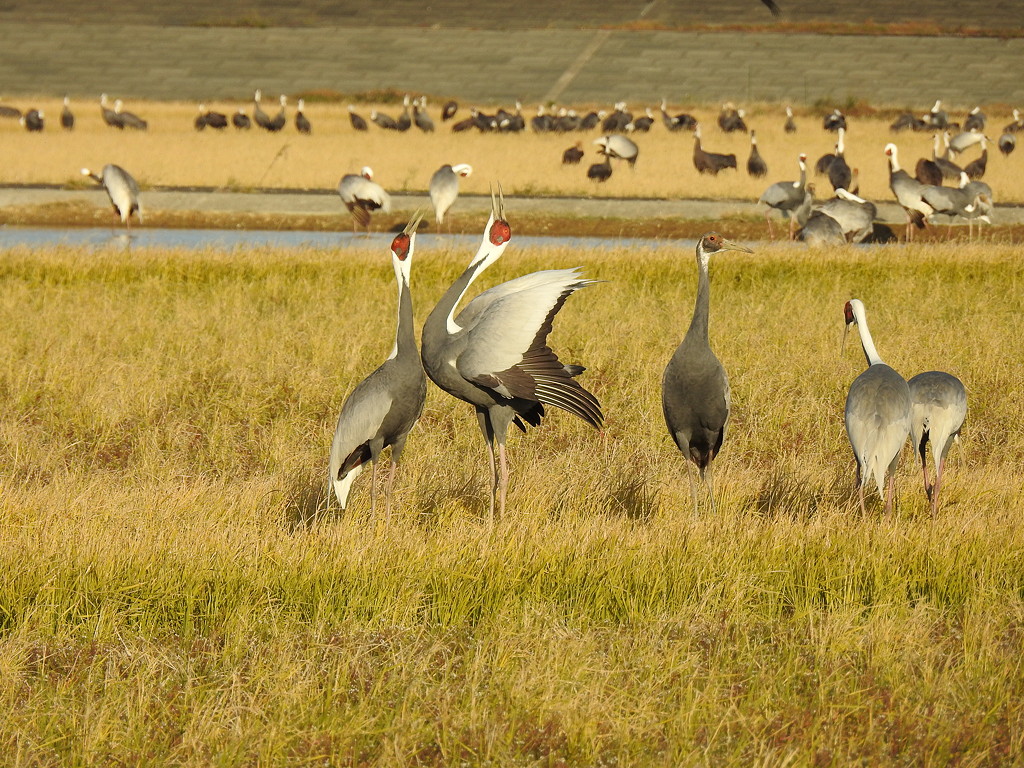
(695, 389)
(121, 188)
(385, 406)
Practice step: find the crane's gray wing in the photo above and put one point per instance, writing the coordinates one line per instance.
(361, 418)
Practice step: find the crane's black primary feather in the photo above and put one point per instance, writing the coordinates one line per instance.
(776, 11)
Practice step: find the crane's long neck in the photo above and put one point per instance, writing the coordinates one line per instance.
(803, 174)
(702, 307)
(405, 336)
(444, 312)
(865, 338)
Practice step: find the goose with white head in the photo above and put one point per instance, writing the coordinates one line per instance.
(494, 355)
(877, 413)
(695, 388)
(384, 407)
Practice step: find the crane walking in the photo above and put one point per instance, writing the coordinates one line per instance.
(694, 388)
(385, 406)
(494, 355)
(937, 412)
(122, 190)
(877, 413)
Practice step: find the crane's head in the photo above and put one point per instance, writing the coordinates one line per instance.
(712, 242)
(402, 245)
(367, 173)
(462, 169)
(498, 230)
(850, 312)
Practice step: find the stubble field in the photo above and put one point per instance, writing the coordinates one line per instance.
(175, 588)
(171, 153)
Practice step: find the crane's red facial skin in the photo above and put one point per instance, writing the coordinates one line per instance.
(400, 246)
(500, 232)
(848, 312)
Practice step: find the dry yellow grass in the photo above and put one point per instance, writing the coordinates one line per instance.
(171, 153)
(168, 597)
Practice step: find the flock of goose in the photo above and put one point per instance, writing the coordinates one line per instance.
(494, 356)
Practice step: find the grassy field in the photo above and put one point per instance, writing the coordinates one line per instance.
(174, 588)
(171, 153)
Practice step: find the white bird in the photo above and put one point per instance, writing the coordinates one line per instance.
(937, 412)
(122, 190)
(877, 413)
(362, 195)
(384, 407)
(495, 355)
(618, 146)
(444, 187)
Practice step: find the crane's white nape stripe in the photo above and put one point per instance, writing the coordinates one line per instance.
(344, 485)
(865, 335)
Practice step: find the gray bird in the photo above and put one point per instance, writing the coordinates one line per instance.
(938, 407)
(821, 230)
(122, 190)
(302, 124)
(756, 166)
(789, 197)
(1007, 143)
(67, 117)
(384, 407)
(694, 388)
(444, 188)
(790, 124)
(877, 413)
(855, 216)
(494, 355)
(909, 193)
(129, 119)
(362, 195)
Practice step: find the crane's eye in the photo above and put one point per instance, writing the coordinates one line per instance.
(500, 232)
(400, 246)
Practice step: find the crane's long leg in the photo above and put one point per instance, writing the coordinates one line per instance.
(693, 486)
(860, 491)
(708, 475)
(924, 470)
(935, 488)
(503, 480)
(889, 492)
(373, 489)
(767, 218)
(392, 470)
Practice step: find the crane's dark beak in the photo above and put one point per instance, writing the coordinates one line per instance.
(414, 223)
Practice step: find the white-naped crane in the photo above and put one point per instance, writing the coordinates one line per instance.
(573, 155)
(121, 188)
(381, 120)
(302, 124)
(937, 117)
(877, 413)
(977, 167)
(975, 120)
(357, 121)
(620, 147)
(730, 119)
(909, 193)
(950, 170)
(695, 388)
(494, 355)
(854, 215)
(790, 198)
(833, 121)
(965, 140)
(420, 117)
(981, 195)
(821, 230)
(444, 187)
(362, 196)
(261, 118)
(938, 407)
(1016, 125)
(683, 120)
(927, 171)
(709, 162)
(129, 119)
(107, 113)
(756, 166)
(67, 117)
(955, 203)
(839, 174)
(1007, 143)
(601, 171)
(384, 407)
(790, 125)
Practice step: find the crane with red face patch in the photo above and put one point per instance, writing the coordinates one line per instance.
(494, 355)
(383, 408)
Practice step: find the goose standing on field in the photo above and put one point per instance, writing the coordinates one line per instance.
(756, 166)
(494, 355)
(384, 407)
(877, 413)
(709, 162)
(302, 124)
(938, 407)
(122, 190)
(787, 197)
(362, 195)
(694, 387)
(444, 188)
(67, 117)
